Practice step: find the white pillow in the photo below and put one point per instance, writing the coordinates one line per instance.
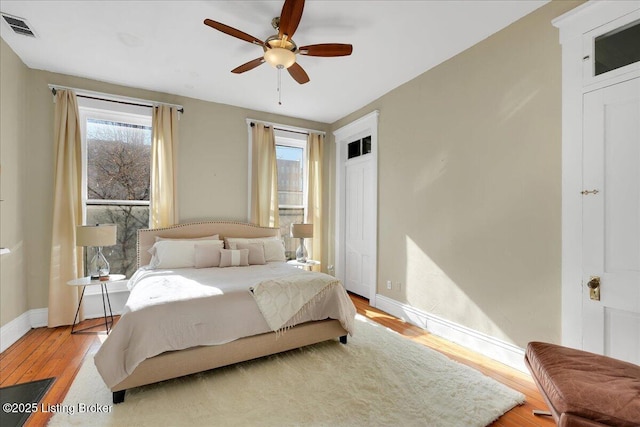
(273, 246)
(214, 237)
(177, 253)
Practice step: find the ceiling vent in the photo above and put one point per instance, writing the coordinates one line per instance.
(18, 25)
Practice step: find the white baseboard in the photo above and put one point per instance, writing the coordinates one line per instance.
(503, 352)
(14, 330)
(37, 318)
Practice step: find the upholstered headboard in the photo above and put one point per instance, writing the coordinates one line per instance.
(147, 237)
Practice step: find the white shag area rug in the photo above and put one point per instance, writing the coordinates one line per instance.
(378, 379)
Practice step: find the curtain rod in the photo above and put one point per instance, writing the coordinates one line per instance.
(252, 124)
(292, 129)
(114, 98)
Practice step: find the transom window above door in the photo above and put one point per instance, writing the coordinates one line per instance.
(617, 48)
(359, 147)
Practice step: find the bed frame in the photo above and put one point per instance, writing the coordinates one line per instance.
(173, 364)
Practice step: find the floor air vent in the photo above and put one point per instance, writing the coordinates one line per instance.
(18, 25)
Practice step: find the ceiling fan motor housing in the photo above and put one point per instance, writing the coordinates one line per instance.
(275, 23)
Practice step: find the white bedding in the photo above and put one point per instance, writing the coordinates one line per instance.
(177, 309)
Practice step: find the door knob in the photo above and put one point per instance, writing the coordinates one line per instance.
(594, 288)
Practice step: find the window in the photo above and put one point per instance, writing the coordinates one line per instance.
(359, 147)
(617, 48)
(291, 155)
(116, 142)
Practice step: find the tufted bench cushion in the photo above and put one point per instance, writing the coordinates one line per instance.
(585, 389)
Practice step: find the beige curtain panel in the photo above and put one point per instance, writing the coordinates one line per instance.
(66, 258)
(315, 143)
(164, 148)
(264, 177)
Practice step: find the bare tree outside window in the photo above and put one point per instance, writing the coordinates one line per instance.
(118, 185)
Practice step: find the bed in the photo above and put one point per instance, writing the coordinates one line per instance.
(185, 316)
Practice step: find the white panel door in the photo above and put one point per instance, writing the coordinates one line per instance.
(359, 225)
(611, 220)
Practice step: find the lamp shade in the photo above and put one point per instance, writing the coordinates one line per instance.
(304, 231)
(96, 235)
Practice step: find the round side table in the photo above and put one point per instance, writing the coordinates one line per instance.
(305, 265)
(87, 281)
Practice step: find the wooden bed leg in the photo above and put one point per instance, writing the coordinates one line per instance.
(343, 339)
(118, 396)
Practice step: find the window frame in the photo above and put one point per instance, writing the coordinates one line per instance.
(89, 108)
(284, 136)
(589, 79)
(284, 139)
(298, 141)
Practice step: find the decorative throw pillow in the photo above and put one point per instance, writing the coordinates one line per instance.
(234, 257)
(273, 246)
(256, 252)
(207, 255)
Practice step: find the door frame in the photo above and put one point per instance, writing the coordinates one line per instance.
(574, 26)
(364, 126)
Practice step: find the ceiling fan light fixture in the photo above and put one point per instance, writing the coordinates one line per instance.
(279, 57)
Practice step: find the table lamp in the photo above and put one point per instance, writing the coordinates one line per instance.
(98, 235)
(301, 231)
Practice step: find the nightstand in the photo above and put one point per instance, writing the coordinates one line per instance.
(305, 265)
(87, 281)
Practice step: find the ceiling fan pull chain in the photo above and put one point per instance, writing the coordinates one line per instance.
(279, 86)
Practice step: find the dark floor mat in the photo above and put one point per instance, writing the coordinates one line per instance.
(21, 400)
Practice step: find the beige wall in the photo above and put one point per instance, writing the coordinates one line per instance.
(475, 146)
(13, 127)
(212, 177)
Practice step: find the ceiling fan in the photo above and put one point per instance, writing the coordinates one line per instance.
(279, 49)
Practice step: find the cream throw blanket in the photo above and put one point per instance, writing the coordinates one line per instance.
(285, 298)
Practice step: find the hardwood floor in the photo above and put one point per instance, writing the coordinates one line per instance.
(44, 353)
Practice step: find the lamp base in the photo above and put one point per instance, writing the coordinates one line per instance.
(98, 266)
(301, 252)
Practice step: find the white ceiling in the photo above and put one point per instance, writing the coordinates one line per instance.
(164, 46)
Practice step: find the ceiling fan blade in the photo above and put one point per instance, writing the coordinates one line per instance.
(327, 49)
(233, 32)
(290, 17)
(298, 73)
(248, 66)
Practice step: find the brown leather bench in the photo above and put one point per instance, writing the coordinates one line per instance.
(585, 389)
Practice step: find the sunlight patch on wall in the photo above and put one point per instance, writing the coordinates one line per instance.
(429, 288)
(518, 97)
